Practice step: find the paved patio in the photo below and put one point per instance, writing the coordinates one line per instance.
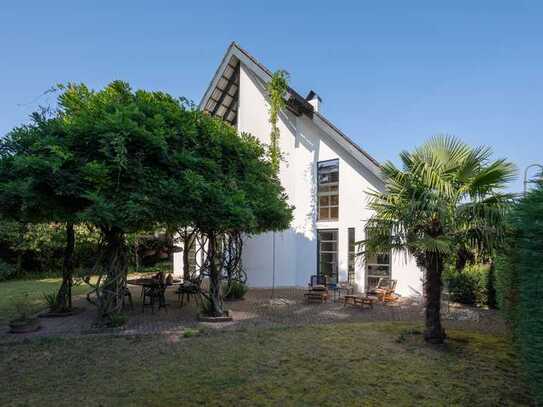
(287, 307)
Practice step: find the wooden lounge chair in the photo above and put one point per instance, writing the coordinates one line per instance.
(317, 289)
(316, 295)
(385, 290)
(358, 300)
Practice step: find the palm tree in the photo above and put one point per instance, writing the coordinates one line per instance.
(446, 197)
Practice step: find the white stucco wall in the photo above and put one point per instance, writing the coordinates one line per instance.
(303, 144)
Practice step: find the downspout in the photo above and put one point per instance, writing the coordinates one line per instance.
(273, 265)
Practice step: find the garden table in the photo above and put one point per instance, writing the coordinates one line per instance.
(147, 283)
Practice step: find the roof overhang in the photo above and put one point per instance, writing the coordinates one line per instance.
(220, 99)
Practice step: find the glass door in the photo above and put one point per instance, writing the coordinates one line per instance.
(327, 254)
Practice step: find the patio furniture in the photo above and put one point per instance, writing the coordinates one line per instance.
(341, 288)
(385, 290)
(186, 290)
(153, 291)
(316, 295)
(318, 279)
(359, 300)
(128, 295)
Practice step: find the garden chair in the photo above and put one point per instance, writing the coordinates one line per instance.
(385, 290)
(318, 280)
(317, 289)
(154, 293)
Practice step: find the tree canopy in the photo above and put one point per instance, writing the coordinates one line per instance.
(126, 160)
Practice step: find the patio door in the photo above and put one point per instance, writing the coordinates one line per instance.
(327, 254)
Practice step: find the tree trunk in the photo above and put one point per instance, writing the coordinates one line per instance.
(19, 264)
(215, 295)
(63, 302)
(115, 268)
(462, 257)
(491, 285)
(434, 333)
(187, 244)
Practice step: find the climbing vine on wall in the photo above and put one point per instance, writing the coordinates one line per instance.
(277, 89)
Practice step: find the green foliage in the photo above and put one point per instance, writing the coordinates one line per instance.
(41, 247)
(277, 88)
(124, 160)
(446, 194)
(471, 286)
(7, 270)
(508, 283)
(189, 333)
(51, 301)
(520, 284)
(445, 198)
(236, 290)
(23, 309)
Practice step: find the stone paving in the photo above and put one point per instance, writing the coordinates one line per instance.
(259, 309)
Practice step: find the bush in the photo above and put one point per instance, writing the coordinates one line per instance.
(7, 270)
(236, 290)
(471, 286)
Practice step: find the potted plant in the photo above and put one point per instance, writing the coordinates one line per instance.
(25, 321)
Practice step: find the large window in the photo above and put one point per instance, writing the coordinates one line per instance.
(327, 247)
(351, 259)
(328, 190)
(377, 267)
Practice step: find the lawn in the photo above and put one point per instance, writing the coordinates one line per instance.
(341, 364)
(12, 292)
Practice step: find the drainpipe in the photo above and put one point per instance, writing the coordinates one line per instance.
(273, 265)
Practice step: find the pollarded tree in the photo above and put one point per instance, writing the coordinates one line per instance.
(446, 194)
(121, 156)
(234, 191)
(124, 161)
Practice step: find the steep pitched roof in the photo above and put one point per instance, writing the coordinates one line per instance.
(220, 99)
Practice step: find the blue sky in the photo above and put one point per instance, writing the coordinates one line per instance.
(391, 74)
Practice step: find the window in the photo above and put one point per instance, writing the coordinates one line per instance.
(327, 190)
(377, 266)
(327, 254)
(351, 259)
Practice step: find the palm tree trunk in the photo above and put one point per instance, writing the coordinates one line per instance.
(63, 302)
(434, 332)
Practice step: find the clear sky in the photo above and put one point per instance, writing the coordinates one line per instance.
(390, 73)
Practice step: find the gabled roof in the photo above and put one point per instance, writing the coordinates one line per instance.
(220, 99)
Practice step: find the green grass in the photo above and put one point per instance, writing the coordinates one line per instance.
(13, 291)
(342, 364)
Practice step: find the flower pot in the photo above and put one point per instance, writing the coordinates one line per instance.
(22, 326)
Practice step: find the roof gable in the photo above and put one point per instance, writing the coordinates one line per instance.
(221, 99)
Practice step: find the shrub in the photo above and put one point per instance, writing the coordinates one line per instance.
(471, 286)
(519, 276)
(236, 290)
(7, 270)
(23, 308)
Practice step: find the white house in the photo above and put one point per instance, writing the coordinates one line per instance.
(326, 176)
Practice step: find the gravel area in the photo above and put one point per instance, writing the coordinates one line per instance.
(287, 307)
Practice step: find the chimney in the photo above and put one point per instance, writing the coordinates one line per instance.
(315, 100)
